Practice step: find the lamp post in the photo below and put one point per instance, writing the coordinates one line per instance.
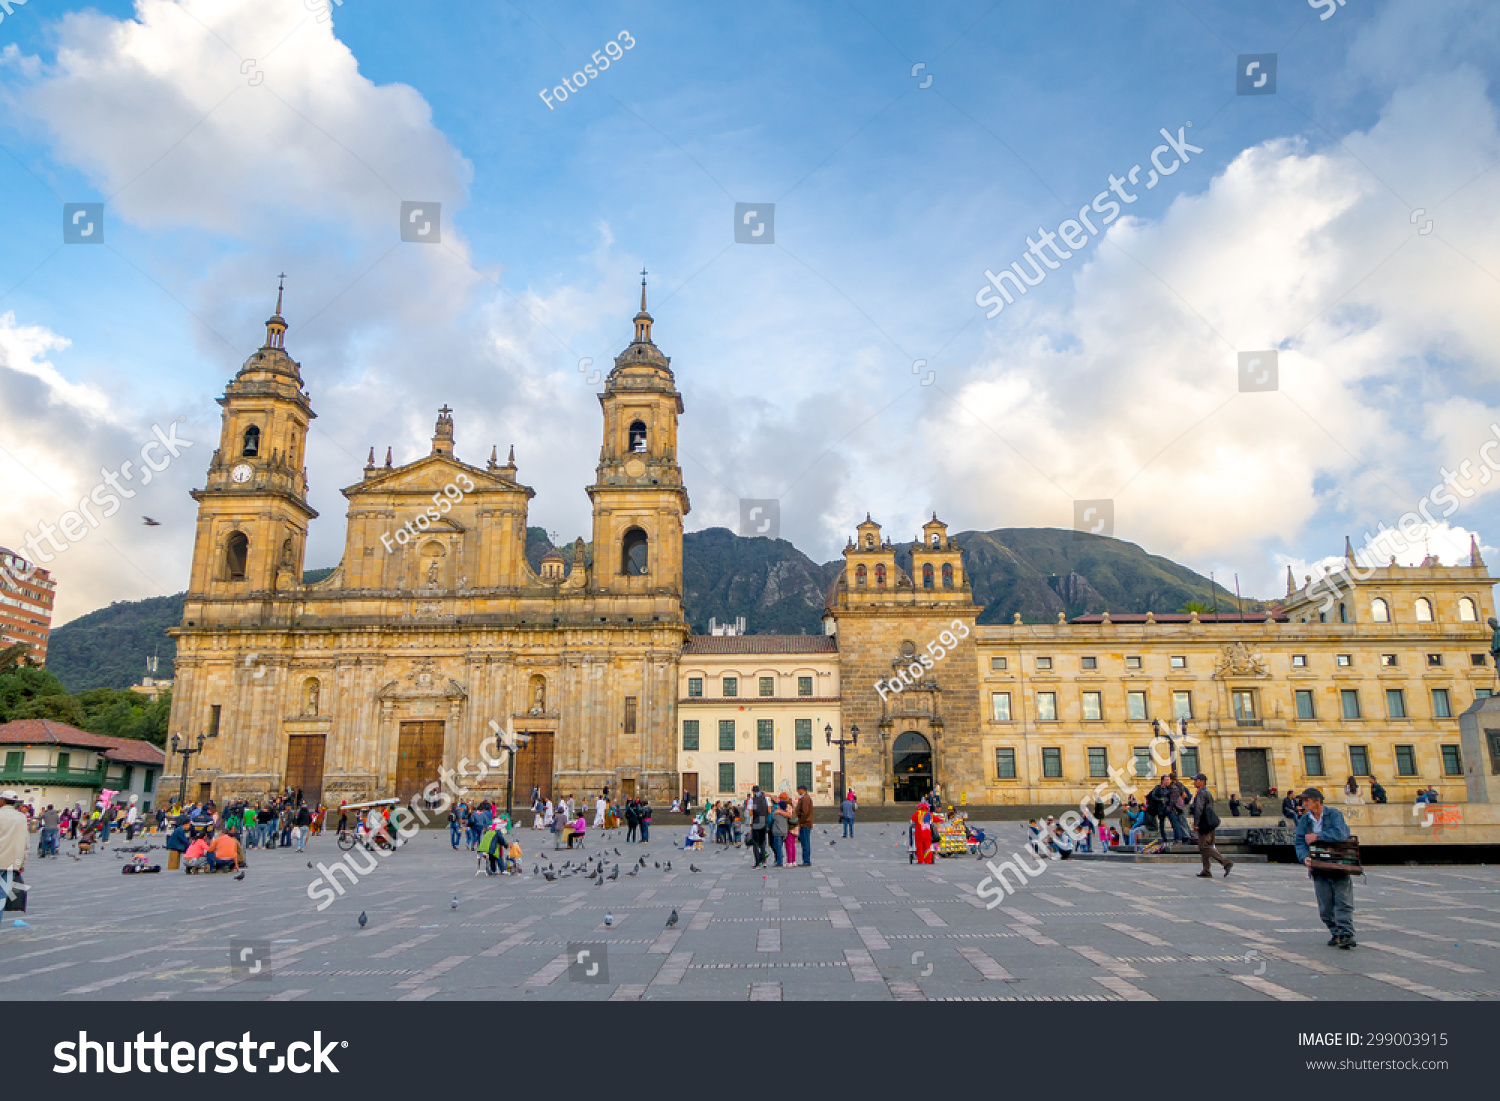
(517, 743)
(185, 752)
(1166, 732)
(841, 742)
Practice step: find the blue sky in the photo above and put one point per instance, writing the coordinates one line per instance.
(1115, 378)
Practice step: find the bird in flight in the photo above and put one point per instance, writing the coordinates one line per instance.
(150, 523)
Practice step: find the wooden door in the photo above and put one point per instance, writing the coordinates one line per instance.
(534, 767)
(1254, 772)
(304, 766)
(627, 789)
(690, 785)
(419, 755)
(205, 791)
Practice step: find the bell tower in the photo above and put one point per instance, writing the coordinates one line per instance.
(638, 496)
(253, 511)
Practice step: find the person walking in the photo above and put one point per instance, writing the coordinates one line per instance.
(47, 842)
(1334, 891)
(1177, 808)
(846, 813)
(921, 824)
(1205, 821)
(804, 824)
(302, 826)
(13, 840)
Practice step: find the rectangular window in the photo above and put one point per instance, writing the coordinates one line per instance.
(1299, 661)
(1406, 761)
(1453, 761)
(802, 730)
(1093, 706)
(1005, 763)
(695, 686)
(1387, 661)
(804, 775)
(1349, 699)
(804, 686)
(1135, 706)
(1043, 664)
(1343, 661)
(690, 735)
(1312, 760)
(1132, 661)
(1052, 763)
(1244, 704)
(1000, 707)
(1144, 766)
(1305, 708)
(148, 781)
(765, 734)
(14, 759)
(126, 777)
(1046, 707)
(1088, 663)
(726, 734)
(1187, 762)
(1179, 661)
(1442, 706)
(998, 665)
(1434, 660)
(64, 761)
(731, 686)
(768, 686)
(1359, 760)
(726, 777)
(1098, 761)
(1395, 703)
(766, 776)
(1182, 705)
(213, 720)
(630, 714)
(1478, 659)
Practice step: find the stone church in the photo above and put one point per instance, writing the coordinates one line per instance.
(433, 626)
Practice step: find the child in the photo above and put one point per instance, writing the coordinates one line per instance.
(694, 836)
(514, 867)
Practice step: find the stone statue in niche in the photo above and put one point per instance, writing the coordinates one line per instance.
(312, 697)
(432, 575)
(538, 696)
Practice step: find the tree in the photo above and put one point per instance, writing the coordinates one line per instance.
(1199, 606)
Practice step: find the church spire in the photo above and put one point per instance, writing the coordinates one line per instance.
(276, 324)
(1291, 582)
(1474, 559)
(643, 319)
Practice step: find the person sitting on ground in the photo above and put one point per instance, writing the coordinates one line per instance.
(224, 853)
(1060, 843)
(694, 836)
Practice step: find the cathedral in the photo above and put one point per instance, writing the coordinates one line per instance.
(433, 630)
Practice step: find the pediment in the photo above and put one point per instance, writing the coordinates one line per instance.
(429, 474)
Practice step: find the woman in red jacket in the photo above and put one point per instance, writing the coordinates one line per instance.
(921, 824)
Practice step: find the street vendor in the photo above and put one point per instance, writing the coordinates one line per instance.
(1334, 890)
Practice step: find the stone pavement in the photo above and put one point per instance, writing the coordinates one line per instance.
(861, 924)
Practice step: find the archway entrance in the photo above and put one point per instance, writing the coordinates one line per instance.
(911, 759)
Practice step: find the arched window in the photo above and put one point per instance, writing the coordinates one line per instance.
(638, 437)
(633, 553)
(927, 575)
(936, 539)
(870, 542)
(236, 555)
(947, 575)
(859, 577)
(1380, 611)
(880, 576)
(1467, 613)
(1424, 610)
(251, 446)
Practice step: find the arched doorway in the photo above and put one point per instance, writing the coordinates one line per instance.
(911, 759)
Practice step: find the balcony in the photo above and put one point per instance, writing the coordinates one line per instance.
(49, 776)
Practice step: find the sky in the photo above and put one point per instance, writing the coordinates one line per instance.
(1339, 210)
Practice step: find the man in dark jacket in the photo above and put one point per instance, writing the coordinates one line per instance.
(1289, 808)
(1334, 890)
(1205, 821)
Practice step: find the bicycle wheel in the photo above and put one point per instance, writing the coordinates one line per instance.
(346, 840)
(988, 848)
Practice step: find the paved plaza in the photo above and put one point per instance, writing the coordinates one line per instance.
(861, 924)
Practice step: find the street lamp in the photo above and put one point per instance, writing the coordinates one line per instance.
(518, 742)
(841, 742)
(186, 752)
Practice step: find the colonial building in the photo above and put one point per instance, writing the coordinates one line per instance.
(433, 626)
(759, 710)
(53, 763)
(1360, 675)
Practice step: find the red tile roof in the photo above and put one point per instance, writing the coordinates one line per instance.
(761, 644)
(47, 732)
(1182, 617)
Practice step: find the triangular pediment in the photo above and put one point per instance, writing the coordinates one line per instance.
(429, 474)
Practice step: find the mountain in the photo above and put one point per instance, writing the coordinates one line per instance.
(1038, 572)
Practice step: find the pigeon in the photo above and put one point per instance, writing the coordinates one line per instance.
(658, 864)
(240, 876)
(549, 877)
(454, 904)
(669, 866)
(309, 863)
(615, 874)
(609, 919)
(694, 868)
(832, 843)
(633, 871)
(536, 869)
(363, 921)
(671, 921)
(617, 852)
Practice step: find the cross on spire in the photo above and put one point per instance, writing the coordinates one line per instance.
(643, 288)
(280, 286)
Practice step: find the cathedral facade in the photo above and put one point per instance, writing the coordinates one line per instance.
(433, 632)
